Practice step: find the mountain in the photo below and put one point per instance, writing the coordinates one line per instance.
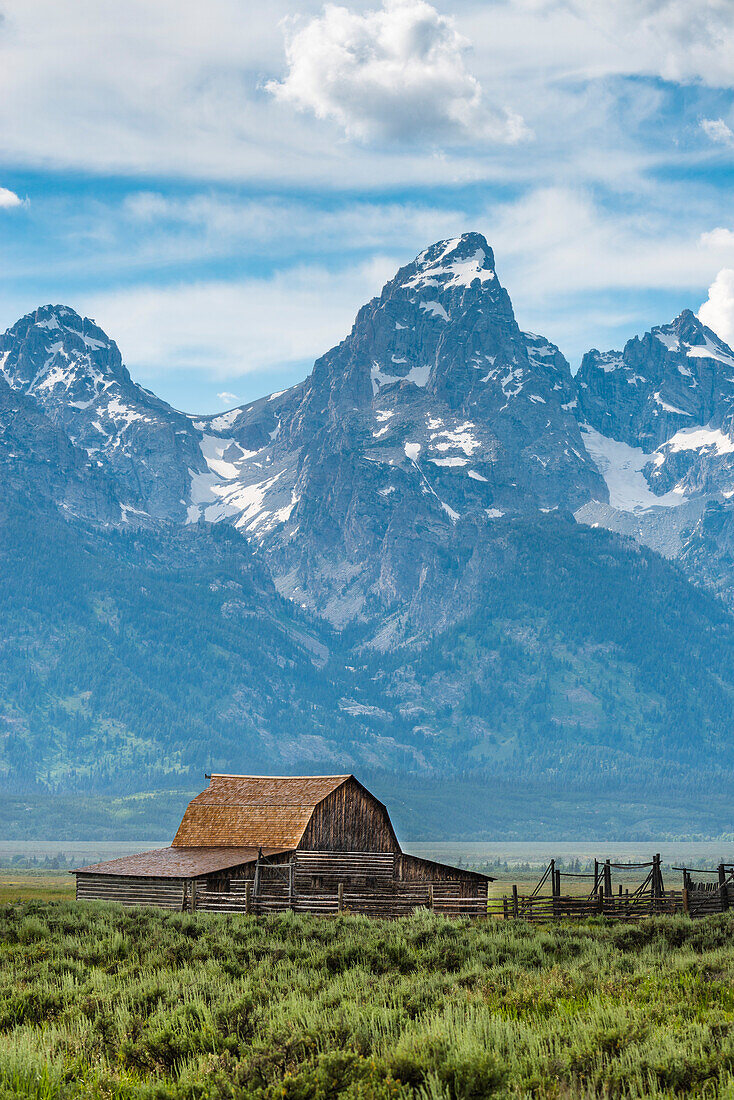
(70, 369)
(658, 418)
(436, 409)
(39, 463)
(396, 566)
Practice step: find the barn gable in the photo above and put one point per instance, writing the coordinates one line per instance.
(349, 819)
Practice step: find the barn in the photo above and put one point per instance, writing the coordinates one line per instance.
(258, 844)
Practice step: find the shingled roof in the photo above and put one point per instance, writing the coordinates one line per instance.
(176, 862)
(249, 810)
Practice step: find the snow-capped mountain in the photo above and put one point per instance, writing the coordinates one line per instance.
(658, 419)
(39, 466)
(70, 369)
(382, 482)
(436, 409)
(421, 485)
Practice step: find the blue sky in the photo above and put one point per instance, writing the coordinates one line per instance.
(221, 186)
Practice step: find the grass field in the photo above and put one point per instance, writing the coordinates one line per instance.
(97, 1001)
(25, 885)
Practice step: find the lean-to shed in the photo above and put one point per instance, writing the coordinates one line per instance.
(263, 843)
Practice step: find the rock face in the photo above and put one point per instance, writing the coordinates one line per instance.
(435, 412)
(670, 383)
(380, 489)
(420, 487)
(74, 374)
(658, 418)
(39, 466)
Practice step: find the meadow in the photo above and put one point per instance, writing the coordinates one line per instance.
(97, 1001)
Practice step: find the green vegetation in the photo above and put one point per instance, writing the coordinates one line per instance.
(588, 692)
(22, 885)
(96, 1001)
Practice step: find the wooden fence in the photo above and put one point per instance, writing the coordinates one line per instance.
(394, 901)
(651, 898)
(316, 885)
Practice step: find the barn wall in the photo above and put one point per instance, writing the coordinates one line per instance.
(413, 869)
(164, 893)
(350, 819)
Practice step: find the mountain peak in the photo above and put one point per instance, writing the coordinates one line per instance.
(454, 263)
(55, 322)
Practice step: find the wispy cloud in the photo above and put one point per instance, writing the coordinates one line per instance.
(718, 131)
(228, 398)
(227, 329)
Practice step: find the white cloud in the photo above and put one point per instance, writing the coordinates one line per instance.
(229, 329)
(228, 398)
(396, 73)
(718, 310)
(176, 88)
(718, 238)
(718, 131)
(9, 200)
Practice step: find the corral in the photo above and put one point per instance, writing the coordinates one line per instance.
(258, 844)
(698, 897)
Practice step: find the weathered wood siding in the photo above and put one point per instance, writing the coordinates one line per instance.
(163, 893)
(414, 869)
(350, 819)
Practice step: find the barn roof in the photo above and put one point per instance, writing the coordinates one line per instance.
(250, 810)
(177, 862)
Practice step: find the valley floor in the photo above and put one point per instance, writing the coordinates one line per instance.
(96, 1001)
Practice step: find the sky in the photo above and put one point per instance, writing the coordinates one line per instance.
(222, 185)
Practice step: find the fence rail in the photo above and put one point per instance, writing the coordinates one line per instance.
(378, 903)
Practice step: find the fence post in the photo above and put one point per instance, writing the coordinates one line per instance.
(608, 878)
(256, 889)
(515, 906)
(504, 906)
(184, 893)
(596, 877)
(685, 900)
(248, 896)
(723, 893)
(553, 877)
(600, 900)
(193, 896)
(340, 897)
(661, 888)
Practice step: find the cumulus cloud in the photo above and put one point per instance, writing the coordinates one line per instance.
(718, 238)
(228, 398)
(396, 73)
(9, 200)
(718, 131)
(718, 310)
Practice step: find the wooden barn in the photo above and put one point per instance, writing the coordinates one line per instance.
(259, 844)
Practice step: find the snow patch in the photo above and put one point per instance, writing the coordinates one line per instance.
(668, 408)
(435, 309)
(697, 439)
(221, 423)
(621, 467)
